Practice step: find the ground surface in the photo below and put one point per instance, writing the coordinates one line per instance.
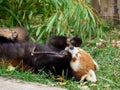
(13, 84)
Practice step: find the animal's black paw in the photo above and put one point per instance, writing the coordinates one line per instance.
(65, 54)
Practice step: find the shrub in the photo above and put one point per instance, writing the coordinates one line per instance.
(44, 18)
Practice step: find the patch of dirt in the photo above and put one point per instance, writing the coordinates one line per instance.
(13, 84)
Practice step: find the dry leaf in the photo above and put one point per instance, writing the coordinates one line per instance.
(83, 87)
(93, 85)
(10, 68)
(59, 79)
(115, 43)
(53, 85)
(62, 83)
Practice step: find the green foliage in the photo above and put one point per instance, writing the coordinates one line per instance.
(44, 18)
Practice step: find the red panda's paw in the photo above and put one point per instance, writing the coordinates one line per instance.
(90, 76)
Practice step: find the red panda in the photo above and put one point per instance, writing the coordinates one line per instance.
(82, 64)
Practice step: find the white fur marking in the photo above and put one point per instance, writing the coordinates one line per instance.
(75, 65)
(91, 76)
(96, 65)
(80, 49)
(83, 77)
(72, 51)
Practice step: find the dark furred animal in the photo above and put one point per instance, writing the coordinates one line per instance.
(74, 41)
(55, 62)
(50, 57)
(58, 43)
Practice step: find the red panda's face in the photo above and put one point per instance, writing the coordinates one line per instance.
(75, 51)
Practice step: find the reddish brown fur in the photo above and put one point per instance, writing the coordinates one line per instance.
(86, 64)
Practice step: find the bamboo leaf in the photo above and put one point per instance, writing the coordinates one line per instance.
(52, 21)
(92, 17)
(10, 11)
(52, 17)
(30, 15)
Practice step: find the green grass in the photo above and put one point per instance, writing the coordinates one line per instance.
(108, 77)
(44, 18)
